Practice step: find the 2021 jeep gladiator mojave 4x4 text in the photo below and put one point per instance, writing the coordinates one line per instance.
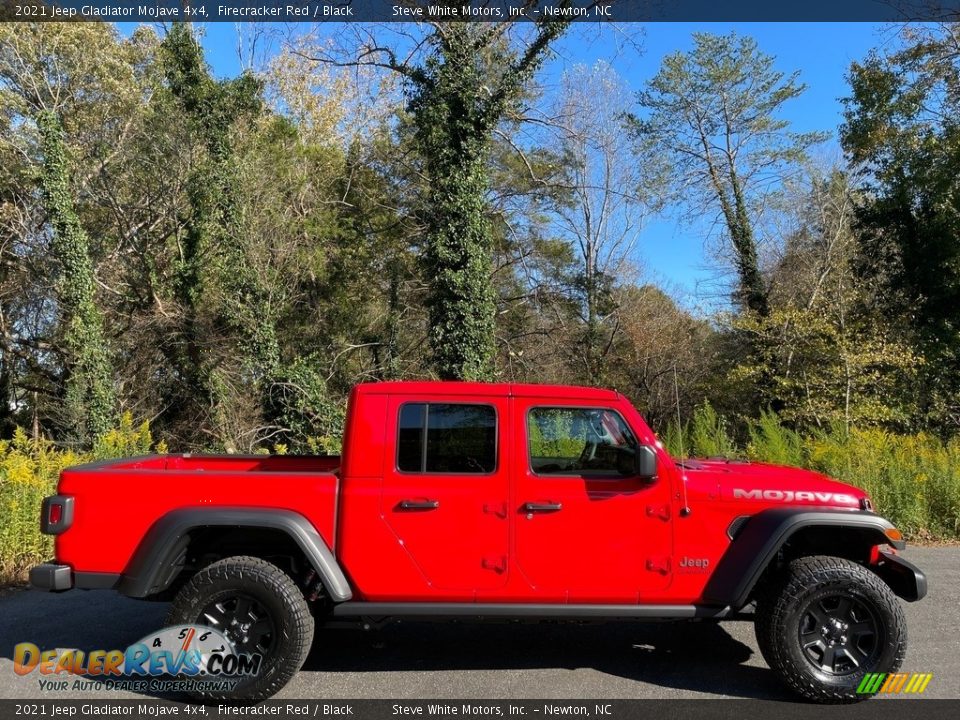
(468, 500)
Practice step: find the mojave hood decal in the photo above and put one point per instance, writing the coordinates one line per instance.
(754, 482)
(790, 496)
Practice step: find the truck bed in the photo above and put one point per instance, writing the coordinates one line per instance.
(141, 490)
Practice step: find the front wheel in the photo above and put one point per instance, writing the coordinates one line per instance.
(825, 623)
(260, 610)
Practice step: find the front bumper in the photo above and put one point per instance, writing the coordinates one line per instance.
(55, 577)
(903, 577)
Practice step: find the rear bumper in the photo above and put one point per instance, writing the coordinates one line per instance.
(54, 577)
(903, 577)
(51, 577)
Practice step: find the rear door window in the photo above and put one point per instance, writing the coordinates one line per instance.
(447, 438)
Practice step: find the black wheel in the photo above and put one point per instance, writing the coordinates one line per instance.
(824, 623)
(243, 620)
(260, 610)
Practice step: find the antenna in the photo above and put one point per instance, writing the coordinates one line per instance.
(685, 510)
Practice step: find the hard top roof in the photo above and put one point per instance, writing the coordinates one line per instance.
(473, 389)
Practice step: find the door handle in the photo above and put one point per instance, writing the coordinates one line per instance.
(532, 507)
(419, 504)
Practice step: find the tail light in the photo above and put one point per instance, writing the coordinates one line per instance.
(56, 514)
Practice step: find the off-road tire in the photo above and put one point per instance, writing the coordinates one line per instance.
(277, 594)
(781, 608)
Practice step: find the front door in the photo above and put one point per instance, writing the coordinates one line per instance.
(587, 528)
(445, 491)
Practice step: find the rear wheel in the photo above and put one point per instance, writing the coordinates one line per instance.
(260, 610)
(824, 623)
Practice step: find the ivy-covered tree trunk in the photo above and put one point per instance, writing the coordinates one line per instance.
(459, 88)
(189, 86)
(752, 292)
(213, 254)
(457, 100)
(452, 130)
(7, 419)
(89, 403)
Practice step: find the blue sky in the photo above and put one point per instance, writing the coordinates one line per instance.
(670, 252)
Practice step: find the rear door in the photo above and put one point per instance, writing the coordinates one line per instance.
(445, 490)
(587, 528)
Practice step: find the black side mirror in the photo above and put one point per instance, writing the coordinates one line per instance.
(646, 463)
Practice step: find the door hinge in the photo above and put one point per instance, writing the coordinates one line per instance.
(659, 565)
(661, 512)
(496, 508)
(497, 563)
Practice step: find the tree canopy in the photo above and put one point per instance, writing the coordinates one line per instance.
(227, 257)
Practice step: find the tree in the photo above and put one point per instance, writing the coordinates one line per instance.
(89, 400)
(459, 89)
(570, 212)
(456, 104)
(711, 115)
(13, 276)
(331, 234)
(667, 358)
(63, 89)
(822, 353)
(214, 225)
(599, 209)
(283, 220)
(902, 136)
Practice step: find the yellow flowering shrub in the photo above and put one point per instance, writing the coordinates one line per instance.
(29, 469)
(914, 480)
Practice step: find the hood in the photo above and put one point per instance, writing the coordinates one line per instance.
(767, 484)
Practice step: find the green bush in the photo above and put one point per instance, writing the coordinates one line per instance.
(708, 434)
(29, 469)
(770, 441)
(674, 439)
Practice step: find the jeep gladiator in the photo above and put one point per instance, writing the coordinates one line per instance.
(471, 500)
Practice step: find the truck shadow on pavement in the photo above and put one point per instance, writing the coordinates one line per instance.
(687, 657)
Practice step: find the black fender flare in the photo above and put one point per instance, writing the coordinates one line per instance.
(761, 538)
(148, 570)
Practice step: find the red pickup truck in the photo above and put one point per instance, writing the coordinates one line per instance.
(469, 500)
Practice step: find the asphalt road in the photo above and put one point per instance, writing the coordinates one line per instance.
(419, 660)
